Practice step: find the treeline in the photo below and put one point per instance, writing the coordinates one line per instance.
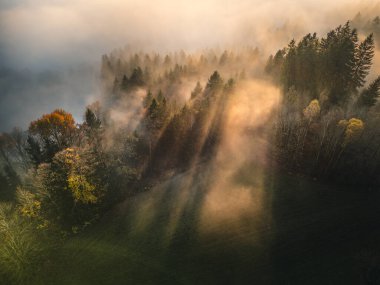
(66, 165)
(124, 70)
(162, 113)
(327, 126)
(61, 176)
(73, 172)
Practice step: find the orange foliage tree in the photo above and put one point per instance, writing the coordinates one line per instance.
(51, 133)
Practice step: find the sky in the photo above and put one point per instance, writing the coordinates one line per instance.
(50, 50)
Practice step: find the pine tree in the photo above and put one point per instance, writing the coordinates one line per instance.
(306, 64)
(289, 71)
(153, 109)
(338, 61)
(91, 119)
(368, 97)
(197, 90)
(363, 59)
(148, 99)
(215, 81)
(275, 63)
(124, 82)
(137, 77)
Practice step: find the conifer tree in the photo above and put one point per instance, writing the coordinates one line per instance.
(289, 71)
(215, 81)
(368, 97)
(363, 60)
(197, 90)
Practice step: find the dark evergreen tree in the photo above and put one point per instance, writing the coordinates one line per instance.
(363, 61)
(229, 86)
(306, 69)
(289, 69)
(148, 99)
(124, 83)
(215, 81)
(137, 77)
(274, 65)
(197, 90)
(368, 97)
(91, 119)
(338, 62)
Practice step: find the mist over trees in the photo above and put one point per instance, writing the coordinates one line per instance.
(158, 113)
(161, 114)
(333, 137)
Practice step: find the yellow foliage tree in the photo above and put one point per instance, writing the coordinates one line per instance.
(69, 189)
(312, 110)
(77, 183)
(353, 130)
(81, 189)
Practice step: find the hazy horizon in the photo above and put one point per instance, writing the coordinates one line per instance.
(50, 50)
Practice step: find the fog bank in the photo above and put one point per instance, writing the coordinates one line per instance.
(61, 36)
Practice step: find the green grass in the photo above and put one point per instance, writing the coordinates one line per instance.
(303, 233)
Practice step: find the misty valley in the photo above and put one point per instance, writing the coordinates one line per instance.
(214, 166)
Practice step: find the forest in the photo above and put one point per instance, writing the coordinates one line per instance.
(161, 116)
(328, 121)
